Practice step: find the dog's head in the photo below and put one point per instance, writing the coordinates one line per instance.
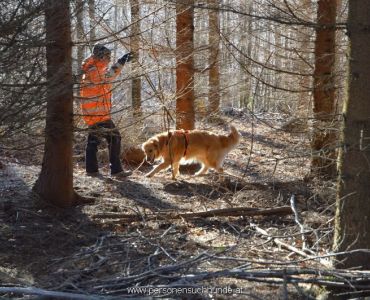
(151, 150)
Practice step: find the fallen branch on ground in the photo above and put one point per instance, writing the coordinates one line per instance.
(354, 283)
(225, 212)
(49, 294)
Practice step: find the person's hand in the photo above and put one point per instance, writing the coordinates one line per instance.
(125, 58)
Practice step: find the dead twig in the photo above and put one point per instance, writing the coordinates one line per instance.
(280, 243)
(296, 219)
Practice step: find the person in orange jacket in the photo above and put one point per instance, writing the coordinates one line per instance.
(96, 105)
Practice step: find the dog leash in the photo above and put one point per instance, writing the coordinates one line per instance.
(139, 165)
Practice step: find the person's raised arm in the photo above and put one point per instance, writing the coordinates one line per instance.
(116, 68)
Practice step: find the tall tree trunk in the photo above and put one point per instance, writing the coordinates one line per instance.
(115, 20)
(352, 221)
(226, 29)
(80, 36)
(91, 4)
(246, 48)
(55, 182)
(135, 48)
(305, 82)
(185, 114)
(214, 50)
(341, 58)
(324, 127)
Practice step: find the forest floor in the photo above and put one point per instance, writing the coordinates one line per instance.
(93, 250)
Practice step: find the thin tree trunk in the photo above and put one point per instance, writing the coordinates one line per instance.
(305, 82)
(226, 29)
(324, 127)
(55, 182)
(115, 16)
(80, 35)
(185, 114)
(352, 221)
(341, 58)
(277, 51)
(91, 4)
(135, 48)
(246, 47)
(214, 50)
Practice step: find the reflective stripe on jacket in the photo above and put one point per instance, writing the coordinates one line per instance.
(96, 90)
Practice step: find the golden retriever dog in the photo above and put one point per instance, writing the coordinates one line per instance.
(208, 148)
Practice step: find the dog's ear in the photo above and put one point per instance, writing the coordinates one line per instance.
(162, 141)
(156, 144)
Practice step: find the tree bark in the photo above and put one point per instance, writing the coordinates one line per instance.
(115, 20)
(91, 4)
(246, 48)
(80, 37)
(352, 221)
(305, 82)
(135, 48)
(324, 127)
(185, 114)
(55, 182)
(214, 50)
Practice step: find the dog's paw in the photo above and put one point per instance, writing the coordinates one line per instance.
(149, 175)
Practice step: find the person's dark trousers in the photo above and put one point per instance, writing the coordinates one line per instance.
(106, 130)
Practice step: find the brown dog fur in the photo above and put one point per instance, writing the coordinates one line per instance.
(203, 146)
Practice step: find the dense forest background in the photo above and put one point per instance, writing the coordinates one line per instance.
(291, 213)
(264, 52)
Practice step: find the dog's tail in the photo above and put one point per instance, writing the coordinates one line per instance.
(233, 138)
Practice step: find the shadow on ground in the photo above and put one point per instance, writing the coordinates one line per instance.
(142, 195)
(188, 189)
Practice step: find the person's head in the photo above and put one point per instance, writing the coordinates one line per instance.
(101, 52)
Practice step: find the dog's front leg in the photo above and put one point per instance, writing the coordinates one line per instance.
(175, 170)
(158, 168)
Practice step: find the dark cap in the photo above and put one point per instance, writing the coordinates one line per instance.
(100, 51)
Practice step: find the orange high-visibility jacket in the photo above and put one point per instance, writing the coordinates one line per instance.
(96, 90)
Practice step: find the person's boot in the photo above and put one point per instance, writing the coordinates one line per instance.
(122, 174)
(93, 174)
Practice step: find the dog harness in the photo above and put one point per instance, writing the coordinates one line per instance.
(183, 132)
